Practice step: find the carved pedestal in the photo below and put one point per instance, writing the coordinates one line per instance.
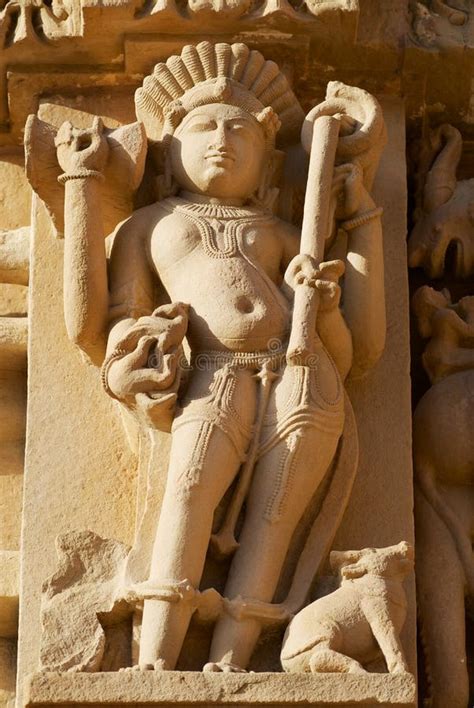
(188, 689)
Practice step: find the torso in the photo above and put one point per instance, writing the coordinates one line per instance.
(225, 262)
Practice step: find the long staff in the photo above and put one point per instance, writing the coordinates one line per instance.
(314, 233)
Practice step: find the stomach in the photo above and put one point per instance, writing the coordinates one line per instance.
(233, 306)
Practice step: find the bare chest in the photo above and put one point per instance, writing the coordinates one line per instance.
(185, 241)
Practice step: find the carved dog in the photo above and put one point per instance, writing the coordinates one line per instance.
(357, 622)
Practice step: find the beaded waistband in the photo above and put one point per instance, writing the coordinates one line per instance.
(245, 360)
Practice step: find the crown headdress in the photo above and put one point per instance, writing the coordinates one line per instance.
(218, 73)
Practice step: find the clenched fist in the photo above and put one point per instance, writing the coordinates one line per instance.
(82, 149)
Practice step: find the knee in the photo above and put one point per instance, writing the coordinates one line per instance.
(193, 485)
(187, 480)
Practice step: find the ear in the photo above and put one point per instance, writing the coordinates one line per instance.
(339, 559)
(271, 173)
(268, 191)
(406, 550)
(165, 185)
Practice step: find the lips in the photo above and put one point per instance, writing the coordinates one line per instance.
(217, 155)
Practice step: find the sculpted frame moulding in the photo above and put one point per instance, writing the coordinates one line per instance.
(201, 111)
(291, 435)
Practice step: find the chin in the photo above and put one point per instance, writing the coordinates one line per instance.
(221, 185)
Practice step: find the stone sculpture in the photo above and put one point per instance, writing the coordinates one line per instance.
(270, 343)
(444, 223)
(248, 10)
(455, 12)
(27, 19)
(355, 624)
(437, 23)
(444, 475)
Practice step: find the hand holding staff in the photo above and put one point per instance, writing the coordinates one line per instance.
(344, 106)
(314, 233)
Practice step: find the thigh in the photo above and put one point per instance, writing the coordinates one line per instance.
(212, 430)
(299, 439)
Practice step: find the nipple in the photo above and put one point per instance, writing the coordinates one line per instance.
(244, 305)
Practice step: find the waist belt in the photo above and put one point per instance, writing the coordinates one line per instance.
(244, 360)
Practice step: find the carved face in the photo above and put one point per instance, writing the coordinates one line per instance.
(219, 151)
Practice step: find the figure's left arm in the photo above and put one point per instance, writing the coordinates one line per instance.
(364, 290)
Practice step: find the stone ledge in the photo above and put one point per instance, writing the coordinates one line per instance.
(179, 688)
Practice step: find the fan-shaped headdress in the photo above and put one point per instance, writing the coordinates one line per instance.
(218, 73)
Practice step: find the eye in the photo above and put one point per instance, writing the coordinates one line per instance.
(238, 127)
(202, 126)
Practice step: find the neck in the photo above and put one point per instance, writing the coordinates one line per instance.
(204, 199)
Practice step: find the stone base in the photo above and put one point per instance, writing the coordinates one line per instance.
(180, 688)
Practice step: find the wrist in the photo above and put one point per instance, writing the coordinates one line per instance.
(366, 203)
(361, 219)
(80, 174)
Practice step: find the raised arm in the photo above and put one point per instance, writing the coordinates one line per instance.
(82, 154)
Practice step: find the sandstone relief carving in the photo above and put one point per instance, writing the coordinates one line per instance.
(444, 221)
(347, 629)
(224, 10)
(438, 23)
(36, 20)
(443, 456)
(272, 320)
(456, 12)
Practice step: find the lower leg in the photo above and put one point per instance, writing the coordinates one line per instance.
(273, 512)
(182, 539)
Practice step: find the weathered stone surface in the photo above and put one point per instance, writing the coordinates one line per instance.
(85, 587)
(196, 689)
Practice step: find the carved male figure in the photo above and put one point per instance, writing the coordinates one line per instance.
(220, 256)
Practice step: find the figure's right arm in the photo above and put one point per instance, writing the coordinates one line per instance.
(131, 281)
(141, 369)
(82, 155)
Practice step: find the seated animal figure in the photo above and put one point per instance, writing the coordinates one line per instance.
(359, 621)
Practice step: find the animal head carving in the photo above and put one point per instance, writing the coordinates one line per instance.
(385, 562)
(443, 236)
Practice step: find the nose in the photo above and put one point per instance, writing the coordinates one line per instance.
(219, 137)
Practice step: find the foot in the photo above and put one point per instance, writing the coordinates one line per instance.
(159, 665)
(223, 667)
(136, 667)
